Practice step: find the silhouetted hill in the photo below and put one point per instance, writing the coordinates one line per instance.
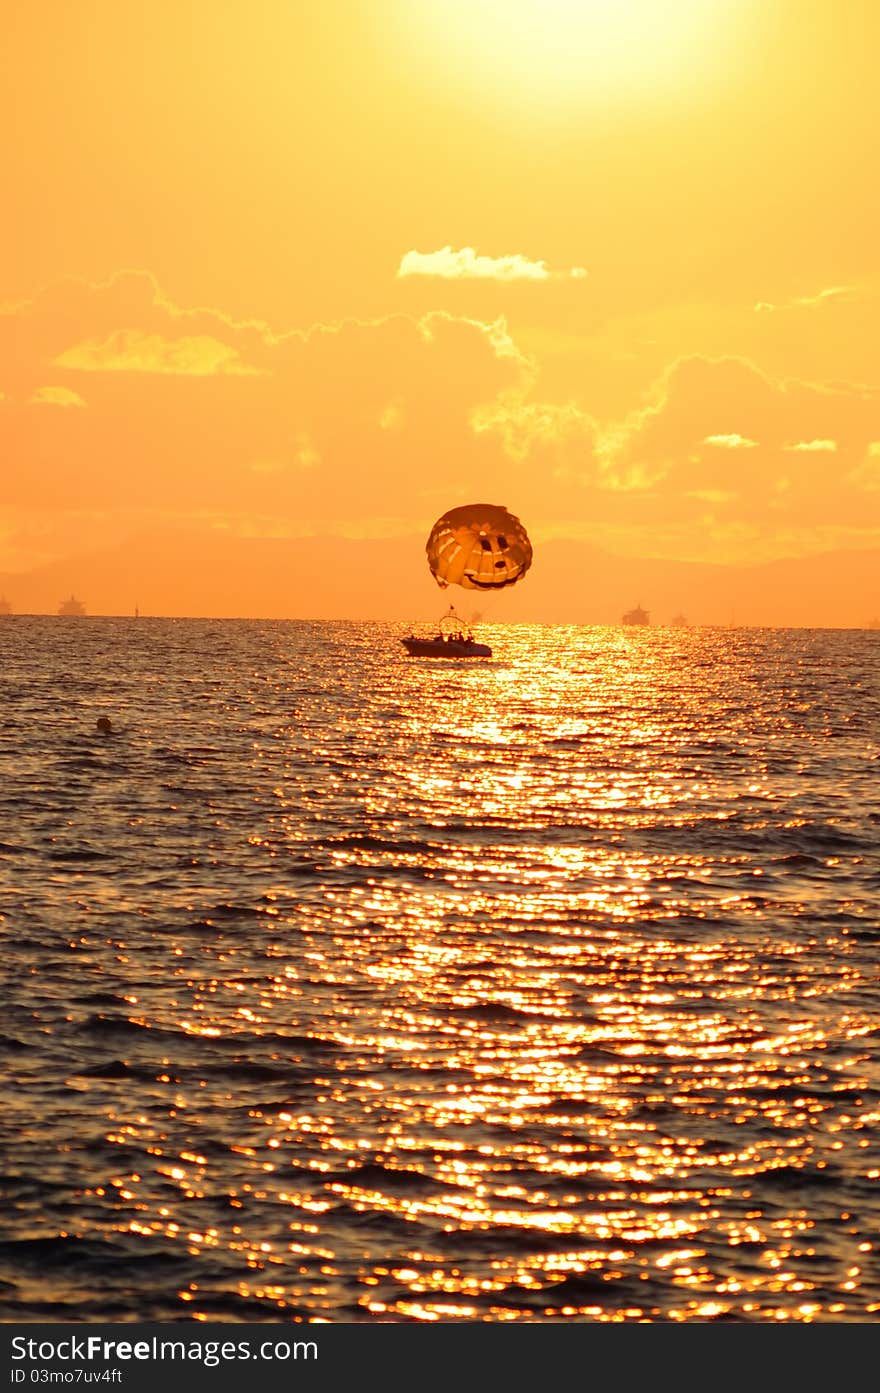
(176, 573)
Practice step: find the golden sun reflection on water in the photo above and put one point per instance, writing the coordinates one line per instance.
(539, 989)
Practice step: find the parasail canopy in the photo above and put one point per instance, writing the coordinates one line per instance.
(480, 546)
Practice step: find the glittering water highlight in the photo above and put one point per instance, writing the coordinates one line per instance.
(340, 985)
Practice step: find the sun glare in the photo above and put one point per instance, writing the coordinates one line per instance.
(574, 48)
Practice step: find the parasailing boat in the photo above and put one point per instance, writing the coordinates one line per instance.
(453, 639)
(479, 546)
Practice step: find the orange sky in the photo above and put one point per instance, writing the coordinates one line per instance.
(281, 268)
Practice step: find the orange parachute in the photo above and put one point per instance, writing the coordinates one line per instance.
(480, 546)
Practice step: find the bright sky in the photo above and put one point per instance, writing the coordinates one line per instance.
(283, 268)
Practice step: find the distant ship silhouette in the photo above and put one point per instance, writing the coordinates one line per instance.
(636, 616)
(73, 606)
(5, 606)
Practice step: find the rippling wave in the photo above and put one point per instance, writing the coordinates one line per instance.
(346, 986)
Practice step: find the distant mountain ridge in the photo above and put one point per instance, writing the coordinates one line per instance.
(178, 574)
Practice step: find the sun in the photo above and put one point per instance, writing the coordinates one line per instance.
(567, 49)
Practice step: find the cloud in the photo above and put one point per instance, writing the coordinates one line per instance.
(340, 426)
(526, 426)
(306, 454)
(328, 425)
(466, 264)
(709, 448)
(132, 350)
(828, 447)
(56, 396)
(556, 448)
(712, 495)
(866, 474)
(391, 417)
(731, 442)
(704, 490)
(693, 401)
(834, 292)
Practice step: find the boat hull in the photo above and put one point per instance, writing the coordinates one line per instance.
(445, 648)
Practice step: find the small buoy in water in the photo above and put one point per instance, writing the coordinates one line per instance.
(105, 725)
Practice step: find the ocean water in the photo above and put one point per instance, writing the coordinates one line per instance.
(344, 986)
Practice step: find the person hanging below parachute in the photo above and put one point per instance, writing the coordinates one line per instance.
(480, 546)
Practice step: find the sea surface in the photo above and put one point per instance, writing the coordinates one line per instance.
(344, 986)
